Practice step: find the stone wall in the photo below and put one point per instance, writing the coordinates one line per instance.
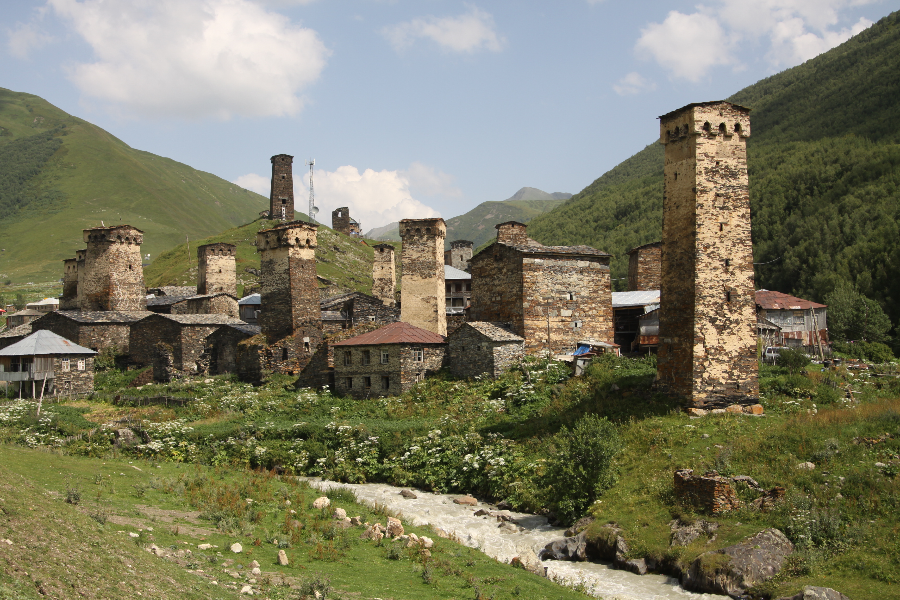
(221, 303)
(69, 298)
(216, 269)
(497, 287)
(384, 275)
(711, 492)
(644, 264)
(470, 354)
(281, 197)
(114, 277)
(221, 346)
(459, 254)
(342, 223)
(80, 257)
(512, 233)
(69, 379)
(96, 336)
(707, 325)
(422, 301)
(401, 368)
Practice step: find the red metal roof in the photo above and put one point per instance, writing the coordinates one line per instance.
(778, 301)
(395, 333)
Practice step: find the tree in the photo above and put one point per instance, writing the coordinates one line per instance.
(853, 316)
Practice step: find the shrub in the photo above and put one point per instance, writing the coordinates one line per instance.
(871, 351)
(582, 466)
(792, 360)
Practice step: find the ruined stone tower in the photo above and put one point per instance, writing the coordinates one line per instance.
(216, 269)
(459, 254)
(113, 275)
(422, 300)
(342, 223)
(644, 267)
(384, 274)
(281, 199)
(707, 324)
(69, 298)
(290, 295)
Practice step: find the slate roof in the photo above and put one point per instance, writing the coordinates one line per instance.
(204, 319)
(650, 245)
(21, 330)
(333, 315)
(494, 331)
(44, 342)
(641, 298)
(177, 290)
(537, 248)
(164, 300)
(395, 333)
(341, 298)
(454, 273)
(102, 316)
(769, 300)
(26, 312)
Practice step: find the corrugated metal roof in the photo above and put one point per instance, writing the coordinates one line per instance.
(44, 342)
(769, 300)
(454, 273)
(395, 333)
(642, 298)
(251, 299)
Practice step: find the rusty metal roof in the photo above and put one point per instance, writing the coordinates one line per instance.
(395, 333)
(770, 300)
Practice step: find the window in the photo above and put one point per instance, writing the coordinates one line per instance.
(349, 381)
(306, 346)
(284, 354)
(449, 288)
(367, 382)
(366, 357)
(458, 287)
(727, 296)
(346, 358)
(385, 382)
(577, 324)
(468, 286)
(418, 355)
(81, 364)
(64, 364)
(385, 357)
(570, 295)
(727, 262)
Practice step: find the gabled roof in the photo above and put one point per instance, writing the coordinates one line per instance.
(202, 319)
(493, 331)
(27, 312)
(341, 298)
(395, 333)
(769, 300)
(454, 273)
(641, 298)
(101, 316)
(650, 245)
(44, 342)
(537, 248)
(255, 299)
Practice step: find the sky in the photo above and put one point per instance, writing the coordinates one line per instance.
(411, 109)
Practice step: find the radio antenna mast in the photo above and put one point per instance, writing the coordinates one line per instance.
(313, 209)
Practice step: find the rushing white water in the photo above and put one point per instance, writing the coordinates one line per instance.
(503, 542)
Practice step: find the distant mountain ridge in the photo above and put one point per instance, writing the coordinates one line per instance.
(477, 225)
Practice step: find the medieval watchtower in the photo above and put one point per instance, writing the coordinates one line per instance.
(217, 269)
(69, 298)
(459, 254)
(422, 300)
(290, 294)
(644, 267)
(384, 274)
(114, 277)
(281, 199)
(707, 324)
(342, 223)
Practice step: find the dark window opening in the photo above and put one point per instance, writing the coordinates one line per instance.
(367, 382)
(306, 346)
(385, 382)
(721, 129)
(349, 383)
(366, 357)
(284, 354)
(727, 262)
(721, 227)
(727, 296)
(346, 358)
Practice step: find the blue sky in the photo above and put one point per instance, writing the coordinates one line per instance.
(410, 108)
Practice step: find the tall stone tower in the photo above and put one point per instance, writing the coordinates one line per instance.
(290, 294)
(707, 323)
(459, 254)
(644, 267)
(216, 269)
(281, 199)
(69, 298)
(384, 274)
(114, 277)
(422, 300)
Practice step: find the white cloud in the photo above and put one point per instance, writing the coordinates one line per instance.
(255, 183)
(194, 59)
(794, 31)
(27, 36)
(469, 32)
(633, 83)
(428, 181)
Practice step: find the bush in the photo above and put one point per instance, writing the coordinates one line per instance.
(871, 351)
(792, 360)
(582, 467)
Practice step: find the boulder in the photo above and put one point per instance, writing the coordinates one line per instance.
(638, 566)
(427, 542)
(205, 547)
(529, 561)
(282, 558)
(685, 533)
(408, 494)
(321, 502)
(735, 569)
(355, 520)
(571, 548)
(579, 526)
(394, 527)
(811, 592)
(237, 548)
(340, 514)
(465, 501)
(126, 438)
(806, 466)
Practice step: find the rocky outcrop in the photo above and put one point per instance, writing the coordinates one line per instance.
(733, 570)
(686, 533)
(811, 592)
(605, 544)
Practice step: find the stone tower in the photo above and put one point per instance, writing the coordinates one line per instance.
(707, 323)
(216, 269)
(459, 254)
(290, 294)
(69, 298)
(422, 300)
(384, 274)
(644, 267)
(281, 200)
(342, 223)
(512, 233)
(114, 277)
(80, 256)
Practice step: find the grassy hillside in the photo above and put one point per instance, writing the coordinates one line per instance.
(824, 178)
(346, 263)
(70, 175)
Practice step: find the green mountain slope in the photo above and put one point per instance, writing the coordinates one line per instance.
(824, 167)
(69, 175)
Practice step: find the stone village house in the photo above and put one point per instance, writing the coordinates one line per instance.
(480, 348)
(61, 367)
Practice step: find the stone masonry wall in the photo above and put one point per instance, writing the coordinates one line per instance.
(707, 349)
(512, 233)
(644, 265)
(80, 256)
(497, 287)
(69, 298)
(281, 198)
(114, 277)
(422, 301)
(220, 303)
(73, 381)
(384, 275)
(401, 368)
(459, 254)
(340, 220)
(216, 269)
(470, 354)
(147, 333)
(711, 492)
